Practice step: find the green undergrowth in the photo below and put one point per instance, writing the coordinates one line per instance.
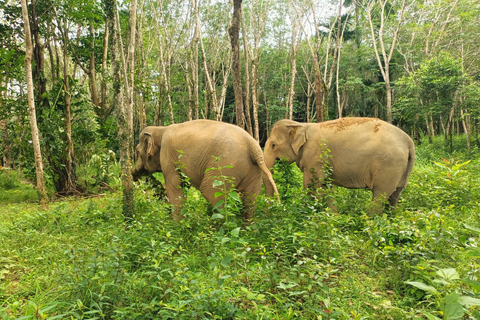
(78, 259)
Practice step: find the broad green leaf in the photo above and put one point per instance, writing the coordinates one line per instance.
(449, 274)
(235, 196)
(218, 194)
(217, 216)
(469, 301)
(235, 232)
(451, 307)
(422, 286)
(217, 183)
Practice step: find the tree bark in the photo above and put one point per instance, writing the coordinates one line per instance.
(70, 181)
(248, 119)
(291, 90)
(91, 70)
(103, 85)
(31, 107)
(234, 32)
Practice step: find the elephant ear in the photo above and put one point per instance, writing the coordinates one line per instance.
(298, 137)
(149, 141)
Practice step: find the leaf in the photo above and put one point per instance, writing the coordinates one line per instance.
(235, 232)
(218, 204)
(234, 195)
(468, 301)
(472, 283)
(451, 307)
(448, 274)
(471, 228)
(227, 260)
(422, 286)
(217, 183)
(473, 254)
(218, 194)
(430, 316)
(217, 216)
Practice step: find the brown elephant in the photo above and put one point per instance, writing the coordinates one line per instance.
(363, 153)
(191, 149)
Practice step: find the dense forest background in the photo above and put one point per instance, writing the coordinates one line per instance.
(413, 63)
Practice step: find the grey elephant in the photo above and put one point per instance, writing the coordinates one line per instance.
(363, 153)
(203, 150)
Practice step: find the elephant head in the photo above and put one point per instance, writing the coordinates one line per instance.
(148, 152)
(285, 141)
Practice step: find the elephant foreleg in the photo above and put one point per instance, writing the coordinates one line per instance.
(175, 195)
(315, 185)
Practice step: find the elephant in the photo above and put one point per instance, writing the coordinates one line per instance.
(362, 153)
(201, 151)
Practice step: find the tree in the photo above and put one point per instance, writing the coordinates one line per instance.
(234, 32)
(387, 11)
(31, 106)
(435, 84)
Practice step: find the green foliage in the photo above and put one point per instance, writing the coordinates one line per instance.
(13, 190)
(298, 260)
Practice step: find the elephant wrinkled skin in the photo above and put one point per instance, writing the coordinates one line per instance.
(364, 153)
(192, 149)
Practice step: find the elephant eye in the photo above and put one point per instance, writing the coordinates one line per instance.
(273, 145)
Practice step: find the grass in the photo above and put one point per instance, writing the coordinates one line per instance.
(78, 259)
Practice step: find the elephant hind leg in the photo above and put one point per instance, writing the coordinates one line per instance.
(249, 198)
(393, 199)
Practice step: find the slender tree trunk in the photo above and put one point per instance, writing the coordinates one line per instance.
(121, 83)
(248, 119)
(31, 107)
(221, 101)
(91, 70)
(104, 69)
(291, 90)
(234, 32)
(195, 59)
(70, 180)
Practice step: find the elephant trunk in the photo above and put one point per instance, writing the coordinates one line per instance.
(138, 171)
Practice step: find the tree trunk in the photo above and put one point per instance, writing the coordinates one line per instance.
(31, 107)
(234, 32)
(70, 180)
(104, 69)
(195, 59)
(91, 70)
(248, 119)
(291, 90)
(39, 69)
(466, 127)
(120, 85)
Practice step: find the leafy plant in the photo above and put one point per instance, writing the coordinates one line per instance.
(451, 305)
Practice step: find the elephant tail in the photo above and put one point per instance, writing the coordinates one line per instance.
(270, 186)
(410, 163)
